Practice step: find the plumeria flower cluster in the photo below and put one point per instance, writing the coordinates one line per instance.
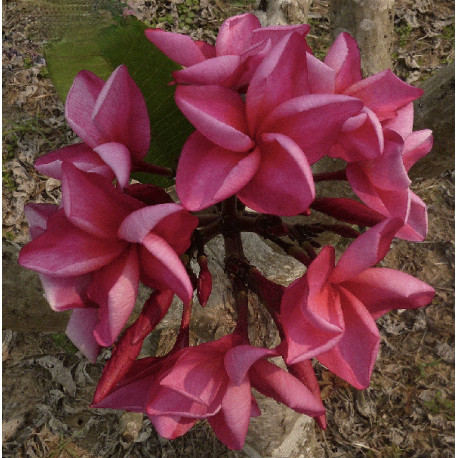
(264, 111)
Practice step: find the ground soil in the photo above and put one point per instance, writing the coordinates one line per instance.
(47, 385)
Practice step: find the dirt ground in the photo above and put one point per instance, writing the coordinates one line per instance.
(408, 411)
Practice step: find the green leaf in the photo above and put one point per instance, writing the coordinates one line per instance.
(101, 49)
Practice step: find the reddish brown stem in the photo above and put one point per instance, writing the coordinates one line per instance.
(330, 176)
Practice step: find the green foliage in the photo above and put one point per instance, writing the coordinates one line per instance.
(104, 48)
(440, 405)
(404, 33)
(62, 342)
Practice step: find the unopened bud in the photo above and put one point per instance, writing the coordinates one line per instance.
(204, 282)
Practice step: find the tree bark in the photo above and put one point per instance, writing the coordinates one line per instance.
(370, 22)
(282, 12)
(435, 110)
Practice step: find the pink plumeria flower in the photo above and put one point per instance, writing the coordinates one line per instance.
(211, 381)
(383, 183)
(240, 47)
(260, 149)
(385, 96)
(329, 313)
(112, 120)
(94, 250)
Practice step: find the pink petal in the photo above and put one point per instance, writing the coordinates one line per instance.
(283, 184)
(354, 356)
(312, 121)
(80, 331)
(218, 113)
(148, 193)
(281, 76)
(207, 49)
(161, 263)
(310, 311)
(37, 216)
(382, 290)
(114, 288)
(366, 251)
(231, 422)
(208, 174)
(344, 58)
(222, 71)
(416, 226)
(180, 48)
(80, 103)
(384, 93)
(172, 426)
(66, 293)
(92, 203)
(402, 123)
(120, 113)
(117, 156)
(171, 222)
(80, 155)
(416, 145)
(362, 143)
(276, 32)
(239, 359)
(63, 250)
(321, 78)
(271, 381)
(234, 35)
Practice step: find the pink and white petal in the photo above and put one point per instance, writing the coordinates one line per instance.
(93, 204)
(275, 33)
(221, 71)
(388, 203)
(366, 251)
(208, 174)
(80, 104)
(80, 155)
(239, 359)
(114, 288)
(281, 76)
(231, 422)
(218, 113)
(171, 426)
(63, 250)
(80, 331)
(37, 216)
(416, 145)
(312, 121)
(384, 93)
(276, 383)
(363, 143)
(382, 290)
(416, 226)
(139, 223)
(283, 184)
(402, 123)
(321, 78)
(66, 293)
(180, 48)
(117, 157)
(345, 60)
(160, 262)
(353, 358)
(234, 35)
(120, 113)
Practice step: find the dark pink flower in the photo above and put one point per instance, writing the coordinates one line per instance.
(240, 47)
(211, 381)
(259, 149)
(385, 97)
(92, 252)
(329, 313)
(112, 120)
